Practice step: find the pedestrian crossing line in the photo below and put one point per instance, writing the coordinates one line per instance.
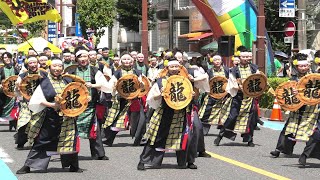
(4, 156)
(248, 167)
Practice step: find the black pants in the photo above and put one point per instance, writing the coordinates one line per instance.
(137, 125)
(21, 136)
(46, 141)
(197, 138)
(312, 148)
(96, 146)
(232, 118)
(284, 144)
(110, 135)
(138, 128)
(152, 157)
(39, 160)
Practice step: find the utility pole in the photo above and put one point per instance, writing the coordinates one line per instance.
(302, 25)
(144, 31)
(261, 52)
(61, 23)
(171, 24)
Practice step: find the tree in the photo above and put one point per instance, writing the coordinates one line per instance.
(275, 25)
(36, 28)
(96, 14)
(5, 22)
(130, 12)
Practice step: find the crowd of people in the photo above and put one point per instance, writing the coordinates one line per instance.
(151, 121)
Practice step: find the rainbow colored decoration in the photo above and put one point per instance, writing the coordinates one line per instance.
(232, 17)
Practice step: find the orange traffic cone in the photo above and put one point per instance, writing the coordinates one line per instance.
(276, 112)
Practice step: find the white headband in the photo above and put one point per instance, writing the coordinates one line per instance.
(178, 54)
(92, 52)
(174, 62)
(2, 51)
(168, 53)
(32, 59)
(244, 53)
(133, 53)
(42, 57)
(215, 57)
(56, 61)
(66, 54)
(303, 62)
(124, 56)
(81, 52)
(153, 59)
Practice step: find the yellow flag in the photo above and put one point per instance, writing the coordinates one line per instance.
(27, 11)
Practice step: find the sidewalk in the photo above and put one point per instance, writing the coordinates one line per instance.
(275, 125)
(5, 172)
(266, 113)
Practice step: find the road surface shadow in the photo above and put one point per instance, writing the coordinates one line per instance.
(121, 145)
(311, 165)
(60, 170)
(308, 165)
(237, 144)
(283, 156)
(55, 159)
(85, 158)
(123, 135)
(214, 135)
(289, 156)
(163, 166)
(7, 130)
(170, 154)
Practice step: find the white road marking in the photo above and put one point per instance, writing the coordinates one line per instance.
(5, 157)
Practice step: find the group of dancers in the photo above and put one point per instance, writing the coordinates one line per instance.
(151, 121)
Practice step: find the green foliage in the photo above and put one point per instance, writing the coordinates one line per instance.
(96, 14)
(130, 12)
(5, 22)
(267, 99)
(111, 53)
(35, 28)
(275, 25)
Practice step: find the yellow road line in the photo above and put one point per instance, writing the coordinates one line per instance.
(248, 167)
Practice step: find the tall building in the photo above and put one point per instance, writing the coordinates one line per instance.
(159, 37)
(188, 31)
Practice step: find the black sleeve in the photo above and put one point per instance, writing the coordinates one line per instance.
(117, 74)
(2, 75)
(210, 74)
(235, 72)
(254, 68)
(226, 71)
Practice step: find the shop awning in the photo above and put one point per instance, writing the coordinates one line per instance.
(211, 46)
(190, 35)
(202, 36)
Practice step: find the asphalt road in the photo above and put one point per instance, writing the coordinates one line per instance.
(231, 160)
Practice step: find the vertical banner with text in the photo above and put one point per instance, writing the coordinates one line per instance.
(51, 31)
(78, 27)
